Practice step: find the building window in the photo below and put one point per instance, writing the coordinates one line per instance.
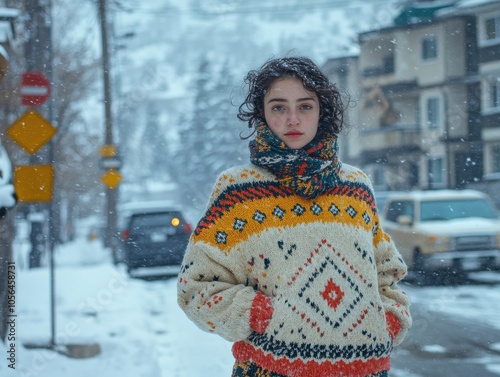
(433, 113)
(494, 94)
(429, 47)
(388, 65)
(436, 173)
(492, 28)
(378, 179)
(496, 158)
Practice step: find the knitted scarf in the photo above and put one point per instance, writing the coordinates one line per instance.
(308, 171)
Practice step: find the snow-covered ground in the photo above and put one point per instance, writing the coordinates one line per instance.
(137, 324)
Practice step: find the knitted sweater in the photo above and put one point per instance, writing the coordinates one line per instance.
(304, 288)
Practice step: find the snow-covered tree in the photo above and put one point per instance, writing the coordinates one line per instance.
(210, 138)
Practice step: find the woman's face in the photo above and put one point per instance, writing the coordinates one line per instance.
(292, 112)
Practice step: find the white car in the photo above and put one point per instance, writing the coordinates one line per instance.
(444, 232)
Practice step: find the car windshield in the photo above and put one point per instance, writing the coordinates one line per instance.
(456, 209)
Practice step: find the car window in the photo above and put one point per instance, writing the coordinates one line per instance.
(456, 209)
(154, 220)
(398, 208)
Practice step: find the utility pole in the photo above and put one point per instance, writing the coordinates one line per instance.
(39, 57)
(109, 150)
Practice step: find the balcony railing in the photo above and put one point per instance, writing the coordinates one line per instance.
(391, 137)
(386, 68)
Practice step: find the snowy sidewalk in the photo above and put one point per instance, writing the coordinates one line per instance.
(137, 323)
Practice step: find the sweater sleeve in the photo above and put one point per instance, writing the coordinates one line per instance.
(211, 286)
(391, 270)
(212, 298)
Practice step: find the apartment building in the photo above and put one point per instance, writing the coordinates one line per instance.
(427, 93)
(488, 38)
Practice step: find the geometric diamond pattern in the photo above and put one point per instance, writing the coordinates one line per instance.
(221, 237)
(334, 209)
(320, 290)
(239, 224)
(279, 212)
(259, 216)
(298, 209)
(351, 211)
(332, 294)
(316, 209)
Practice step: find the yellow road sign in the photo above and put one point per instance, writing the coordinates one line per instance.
(33, 183)
(108, 150)
(111, 178)
(31, 131)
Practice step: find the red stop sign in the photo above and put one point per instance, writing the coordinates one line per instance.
(35, 89)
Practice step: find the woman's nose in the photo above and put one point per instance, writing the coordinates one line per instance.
(293, 119)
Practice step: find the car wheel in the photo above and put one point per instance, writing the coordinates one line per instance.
(454, 277)
(422, 276)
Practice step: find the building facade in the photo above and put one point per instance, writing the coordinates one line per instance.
(427, 93)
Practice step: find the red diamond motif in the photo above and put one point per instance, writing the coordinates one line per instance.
(332, 294)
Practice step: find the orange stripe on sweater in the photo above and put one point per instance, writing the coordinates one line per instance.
(299, 368)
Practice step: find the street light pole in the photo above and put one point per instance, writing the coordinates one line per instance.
(111, 193)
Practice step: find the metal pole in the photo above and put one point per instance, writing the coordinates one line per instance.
(39, 56)
(111, 194)
(48, 30)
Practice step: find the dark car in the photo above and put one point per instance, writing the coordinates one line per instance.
(153, 234)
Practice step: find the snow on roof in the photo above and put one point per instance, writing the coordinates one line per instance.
(432, 4)
(467, 6)
(474, 3)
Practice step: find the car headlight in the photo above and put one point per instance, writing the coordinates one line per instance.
(439, 243)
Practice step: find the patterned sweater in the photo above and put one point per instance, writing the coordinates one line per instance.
(304, 288)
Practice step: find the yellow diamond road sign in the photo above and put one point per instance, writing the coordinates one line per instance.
(31, 131)
(33, 183)
(111, 178)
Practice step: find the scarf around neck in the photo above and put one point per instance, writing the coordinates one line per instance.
(308, 171)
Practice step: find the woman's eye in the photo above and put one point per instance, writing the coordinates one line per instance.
(278, 108)
(306, 107)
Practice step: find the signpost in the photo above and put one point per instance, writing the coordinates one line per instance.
(110, 163)
(33, 183)
(35, 89)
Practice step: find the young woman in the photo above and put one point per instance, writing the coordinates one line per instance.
(290, 261)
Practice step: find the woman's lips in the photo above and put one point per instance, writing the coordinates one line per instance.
(293, 134)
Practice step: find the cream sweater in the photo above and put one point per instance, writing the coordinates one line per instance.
(304, 288)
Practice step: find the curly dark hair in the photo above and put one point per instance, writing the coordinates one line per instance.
(259, 81)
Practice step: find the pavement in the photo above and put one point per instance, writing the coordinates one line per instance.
(439, 345)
